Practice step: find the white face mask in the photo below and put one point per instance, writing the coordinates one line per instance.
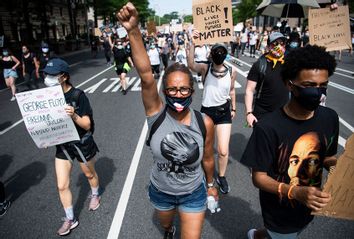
(51, 80)
(45, 50)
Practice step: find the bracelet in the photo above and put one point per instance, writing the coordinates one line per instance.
(212, 184)
(279, 191)
(249, 113)
(289, 192)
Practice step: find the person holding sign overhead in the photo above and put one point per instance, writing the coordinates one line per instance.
(219, 100)
(181, 144)
(290, 146)
(57, 73)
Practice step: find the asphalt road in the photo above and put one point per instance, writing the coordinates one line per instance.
(124, 165)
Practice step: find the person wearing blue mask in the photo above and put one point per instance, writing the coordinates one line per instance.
(79, 109)
(10, 63)
(290, 147)
(43, 58)
(154, 57)
(182, 146)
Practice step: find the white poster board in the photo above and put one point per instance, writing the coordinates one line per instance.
(121, 32)
(45, 118)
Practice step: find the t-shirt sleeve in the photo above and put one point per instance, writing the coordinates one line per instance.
(151, 119)
(260, 151)
(333, 143)
(253, 74)
(84, 106)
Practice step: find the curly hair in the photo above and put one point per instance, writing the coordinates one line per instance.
(306, 58)
(177, 67)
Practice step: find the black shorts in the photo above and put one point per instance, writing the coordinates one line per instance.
(155, 69)
(120, 69)
(219, 114)
(88, 150)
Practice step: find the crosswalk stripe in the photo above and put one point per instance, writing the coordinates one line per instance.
(93, 88)
(114, 82)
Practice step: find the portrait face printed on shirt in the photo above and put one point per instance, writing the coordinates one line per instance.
(304, 162)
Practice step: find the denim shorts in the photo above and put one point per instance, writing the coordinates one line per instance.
(193, 202)
(10, 73)
(219, 114)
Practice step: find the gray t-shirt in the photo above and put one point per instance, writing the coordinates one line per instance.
(177, 152)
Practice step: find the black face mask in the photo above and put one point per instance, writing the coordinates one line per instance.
(178, 104)
(309, 97)
(218, 57)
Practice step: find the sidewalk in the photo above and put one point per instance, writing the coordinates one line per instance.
(64, 55)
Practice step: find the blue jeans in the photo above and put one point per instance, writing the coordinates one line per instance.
(194, 202)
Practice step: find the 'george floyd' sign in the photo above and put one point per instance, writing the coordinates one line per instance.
(45, 117)
(213, 20)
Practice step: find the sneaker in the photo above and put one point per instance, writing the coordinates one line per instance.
(13, 98)
(4, 207)
(124, 92)
(67, 226)
(170, 234)
(223, 185)
(250, 233)
(94, 202)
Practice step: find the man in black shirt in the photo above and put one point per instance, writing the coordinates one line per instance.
(266, 89)
(289, 147)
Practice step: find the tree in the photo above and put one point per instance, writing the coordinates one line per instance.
(246, 10)
(188, 18)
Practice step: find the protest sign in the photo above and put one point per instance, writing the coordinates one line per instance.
(176, 28)
(98, 32)
(330, 28)
(121, 32)
(213, 20)
(341, 186)
(45, 117)
(151, 27)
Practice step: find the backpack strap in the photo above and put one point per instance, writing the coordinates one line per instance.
(201, 124)
(156, 125)
(74, 99)
(206, 73)
(262, 67)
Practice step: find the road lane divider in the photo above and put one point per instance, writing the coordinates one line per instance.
(340, 87)
(128, 184)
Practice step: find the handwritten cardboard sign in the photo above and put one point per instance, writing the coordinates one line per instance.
(45, 118)
(330, 28)
(151, 27)
(98, 32)
(213, 19)
(341, 186)
(121, 32)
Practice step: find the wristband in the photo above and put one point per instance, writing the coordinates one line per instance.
(212, 184)
(289, 192)
(249, 113)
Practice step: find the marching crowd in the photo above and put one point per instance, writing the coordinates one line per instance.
(286, 153)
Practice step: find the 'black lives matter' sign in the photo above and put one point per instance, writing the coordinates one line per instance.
(213, 19)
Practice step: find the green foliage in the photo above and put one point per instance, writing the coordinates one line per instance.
(245, 10)
(188, 18)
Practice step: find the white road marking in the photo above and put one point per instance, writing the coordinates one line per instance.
(341, 141)
(21, 120)
(93, 88)
(346, 124)
(343, 88)
(341, 74)
(128, 184)
(340, 69)
(93, 77)
(75, 64)
(10, 127)
(136, 86)
(115, 81)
